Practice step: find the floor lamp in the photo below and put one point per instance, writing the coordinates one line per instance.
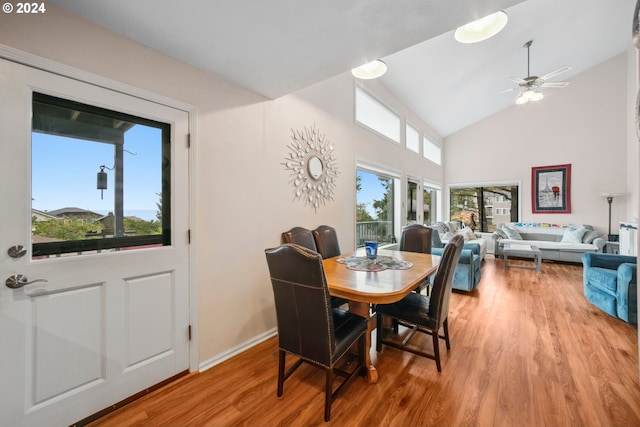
(609, 197)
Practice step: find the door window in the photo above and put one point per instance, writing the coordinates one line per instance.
(375, 207)
(100, 179)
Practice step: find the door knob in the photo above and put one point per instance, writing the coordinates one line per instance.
(19, 280)
(17, 251)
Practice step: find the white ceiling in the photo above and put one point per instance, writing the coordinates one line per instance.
(277, 47)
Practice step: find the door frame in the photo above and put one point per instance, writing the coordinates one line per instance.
(50, 66)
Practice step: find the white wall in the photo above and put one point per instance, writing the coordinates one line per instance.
(584, 124)
(243, 196)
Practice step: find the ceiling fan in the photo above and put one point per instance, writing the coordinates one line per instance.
(530, 84)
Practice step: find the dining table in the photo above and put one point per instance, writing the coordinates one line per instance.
(364, 288)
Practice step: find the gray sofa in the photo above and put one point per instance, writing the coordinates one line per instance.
(557, 242)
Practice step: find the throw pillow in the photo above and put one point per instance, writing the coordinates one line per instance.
(453, 226)
(447, 236)
(591, 235)
(573, 235)
(500, 232)
(512, 233)
(441, 227)
(466, 233)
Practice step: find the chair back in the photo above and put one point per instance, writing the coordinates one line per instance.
(303, 308)
(416, 238)
(300, 236)
(442, 283)
(326, 241)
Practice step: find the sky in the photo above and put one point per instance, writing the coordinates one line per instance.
(64, 172)
(371, 189)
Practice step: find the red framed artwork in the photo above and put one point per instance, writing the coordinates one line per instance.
(551, 189)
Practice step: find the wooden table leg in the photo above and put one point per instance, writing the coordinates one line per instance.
(363, 309)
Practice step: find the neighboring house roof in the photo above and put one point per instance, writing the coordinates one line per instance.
(72, 211)
(42, 215)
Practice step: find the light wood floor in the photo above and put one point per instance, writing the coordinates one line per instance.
(527, 349)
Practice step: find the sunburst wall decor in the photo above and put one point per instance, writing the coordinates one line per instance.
(313, 167)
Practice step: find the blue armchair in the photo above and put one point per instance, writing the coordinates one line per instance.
(610, 284)
(467, 275)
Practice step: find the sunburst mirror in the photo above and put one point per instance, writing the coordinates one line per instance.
(312, 163)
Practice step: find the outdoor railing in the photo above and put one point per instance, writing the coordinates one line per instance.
(380, 231)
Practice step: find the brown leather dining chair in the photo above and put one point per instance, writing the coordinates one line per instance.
(326, 240)
(417, 238)
(308, 327)
(427, 314)
(327, 248)
(300, 236)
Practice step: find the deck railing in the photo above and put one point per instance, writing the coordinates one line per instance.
(380, 231)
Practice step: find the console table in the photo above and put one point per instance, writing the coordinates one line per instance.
(523, 251)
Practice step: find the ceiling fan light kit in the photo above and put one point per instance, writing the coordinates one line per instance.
(481, 29)
(370, 70)
(529, 95)
(530, 84)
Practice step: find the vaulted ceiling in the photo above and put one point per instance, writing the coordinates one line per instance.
(277, 47)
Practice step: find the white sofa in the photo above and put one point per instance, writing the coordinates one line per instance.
(558, 242)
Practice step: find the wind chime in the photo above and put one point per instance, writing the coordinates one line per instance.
(102, 180)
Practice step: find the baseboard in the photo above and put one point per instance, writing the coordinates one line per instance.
(219, 358)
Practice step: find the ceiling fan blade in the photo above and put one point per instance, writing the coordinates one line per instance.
(517, 80)
(556, 72)
(506, 91)
(554, 84)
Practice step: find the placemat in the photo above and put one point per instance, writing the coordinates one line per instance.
(379, 264)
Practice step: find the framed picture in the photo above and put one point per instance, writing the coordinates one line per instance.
(551, 189)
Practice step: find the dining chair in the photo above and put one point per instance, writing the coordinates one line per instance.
(308, 327)
(427, 314)
(300, 236)
(417, 238)
(326, 240)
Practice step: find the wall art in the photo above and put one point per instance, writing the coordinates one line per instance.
(313, 168)
(551, 189)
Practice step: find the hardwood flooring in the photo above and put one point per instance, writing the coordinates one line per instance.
(527, 349)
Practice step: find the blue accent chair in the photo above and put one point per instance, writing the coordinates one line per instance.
(468, 272)
(610, 284)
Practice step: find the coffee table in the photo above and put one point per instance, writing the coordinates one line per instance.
(523, 251)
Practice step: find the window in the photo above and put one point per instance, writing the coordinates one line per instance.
(431, 195)
(412, 202)
(100, 179)
(376, 116)
(412, 138)
(376, 207)
(469, 205)
(431, 150)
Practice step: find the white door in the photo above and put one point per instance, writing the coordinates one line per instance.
(106, 324)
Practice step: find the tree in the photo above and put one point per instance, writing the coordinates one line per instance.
(141, 227)
(361, 213)
(383, 206)
(64, 229)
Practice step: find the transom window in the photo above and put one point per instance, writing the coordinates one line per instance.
(431, 150)
(100, 179)
(412, 138)
(376, 116)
